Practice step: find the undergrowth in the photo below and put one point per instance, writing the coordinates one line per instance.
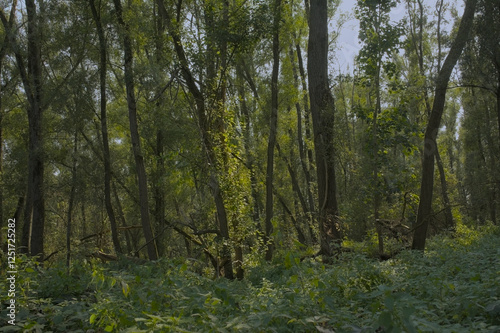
(453, 287)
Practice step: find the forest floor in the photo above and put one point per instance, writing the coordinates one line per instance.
(453, 287)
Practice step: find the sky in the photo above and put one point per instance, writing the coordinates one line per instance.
(348, 43)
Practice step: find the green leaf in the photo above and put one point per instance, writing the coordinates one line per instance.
(125, 288)
(155, 306)
(385, 320)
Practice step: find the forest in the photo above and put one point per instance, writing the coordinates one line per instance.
(208, 166)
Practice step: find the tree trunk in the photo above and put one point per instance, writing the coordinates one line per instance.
(420, 53)
(444, 192)
(134, 135)
(206, 140)
(323, 113)
(273, 127)
(430, 145)
(249, 160)
(1, 165)
(159, 194)
(307, 124)
(36, 163)
(498, 120)
(104, 127)
(10, 38)
(378, 109)
(302, 148)
(71, 201)
(2, 56)
(123, 222)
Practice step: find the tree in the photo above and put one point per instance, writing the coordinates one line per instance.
(430, 144)
(104, 124)
(416, 37)
(480, 72)
(272, 129)
(3, 53)
(34, 218)
(36, 165)
(323, 117)
(207, 141)
(380, 39)
(134, 133)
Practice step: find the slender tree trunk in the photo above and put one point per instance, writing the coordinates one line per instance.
(498, 107)
(36, 163)
(159, 185)
(1, 172)
(159, 194)
(84, 219)
(2, 187)
(375, 144)
(307, 123)
(104, 126)
(444, 192)
(134, 135)
(302, 149)
(19, 208)
(273, 127)
(123, 223)
(430, 147)
(249, 160)
(491, 166)
(238, 254)
(498, 120)
(323, 116)
(71, 202)
(295, 182)
(10, 39)
(3, 52)
(300, 235)
(376, 186)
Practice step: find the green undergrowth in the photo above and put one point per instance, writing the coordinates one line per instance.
(453, 287)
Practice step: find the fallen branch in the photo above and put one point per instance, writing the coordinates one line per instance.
(104, 256)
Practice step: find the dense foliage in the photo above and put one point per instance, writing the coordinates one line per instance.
(181, 141)
(453, 287)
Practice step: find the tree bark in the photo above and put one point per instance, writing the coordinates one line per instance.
(134, 134)
(323, 116)
(35, 111)
(71, 201)
(123, 222)
(159, 194)
(302, 147)
(430, 145)
(375, 144)
(273, 128)
(1, 166)
(307, 123)
(498, 105)
(11, 38)
(444, 192)
(249, 159)
(3, 52)
(104, 126)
